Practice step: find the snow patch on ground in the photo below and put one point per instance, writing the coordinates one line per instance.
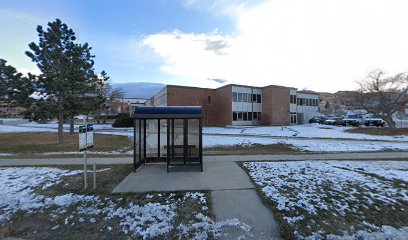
(304, 190)
(89, 152)
(300, 131)
(386, 232)
(54, 125)
(7, 154)
(312, 145)
(18, 129)
(149, 221)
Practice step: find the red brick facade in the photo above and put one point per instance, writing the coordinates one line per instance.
(218, 110)
(276, 105)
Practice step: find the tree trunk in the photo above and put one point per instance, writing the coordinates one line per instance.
(98, 117)
(389, 121)
(106, 116)
(71, 125)
(61, 127)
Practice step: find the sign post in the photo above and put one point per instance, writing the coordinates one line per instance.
(85, 143)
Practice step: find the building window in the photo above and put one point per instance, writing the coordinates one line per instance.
(245, 116)
(239, 116)
(209, 100)
(234, 97)
(258, 98)
(293, 99)
(250, 116)
(234, 116)
(244, 97)
(259, 116)
(239, 97)
(255, 115)
(254, 98)
(293, 118)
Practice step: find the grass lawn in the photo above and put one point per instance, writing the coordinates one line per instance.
(379, 131)
(50, 203)
(29, 143)
(335, 199)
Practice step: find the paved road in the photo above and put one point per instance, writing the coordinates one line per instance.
(323, 156)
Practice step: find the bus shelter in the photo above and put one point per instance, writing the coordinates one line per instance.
(168, 134)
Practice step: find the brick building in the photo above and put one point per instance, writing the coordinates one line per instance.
(243, 105)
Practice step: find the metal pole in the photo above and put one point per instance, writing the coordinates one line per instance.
(85, 158)
(94, 174)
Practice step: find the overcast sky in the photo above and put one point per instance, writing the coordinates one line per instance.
(321, 45)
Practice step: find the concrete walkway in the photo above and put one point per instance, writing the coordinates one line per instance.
(227, 158)
(248, 208)
(233, 194)
(216, 176)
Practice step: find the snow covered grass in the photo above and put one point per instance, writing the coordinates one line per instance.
(300, 131)
(311, 145)
(336, 199)
(39, 201)
(54, 125)
(309, 137)
(19, 129)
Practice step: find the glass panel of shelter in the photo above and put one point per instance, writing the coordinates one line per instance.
(163, 138)
(152, 138)
(184, 141)
(177, 140)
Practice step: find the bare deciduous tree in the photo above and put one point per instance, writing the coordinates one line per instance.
(383, 95)
(109, 95)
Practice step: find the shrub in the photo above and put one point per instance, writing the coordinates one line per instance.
(123, 120)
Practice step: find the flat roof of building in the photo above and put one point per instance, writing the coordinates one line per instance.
(168, 112)
(236, 85)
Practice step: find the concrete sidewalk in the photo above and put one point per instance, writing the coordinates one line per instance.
(216, 176)
(226, 158)
(233, 194)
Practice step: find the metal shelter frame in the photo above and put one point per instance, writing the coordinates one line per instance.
(182, 129)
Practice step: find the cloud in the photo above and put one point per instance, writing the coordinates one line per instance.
(216, 46)
(324, 45)
(217, 80)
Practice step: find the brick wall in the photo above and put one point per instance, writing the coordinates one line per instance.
(222, 106)
(217, 113)
(275, 105)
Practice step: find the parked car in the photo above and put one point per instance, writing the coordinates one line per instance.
(373, 120)
(353, 120)
(333, 120)
(317, 119)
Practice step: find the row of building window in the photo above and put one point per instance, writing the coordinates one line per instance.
(303, 101)
(246, 97)
(246, 116)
